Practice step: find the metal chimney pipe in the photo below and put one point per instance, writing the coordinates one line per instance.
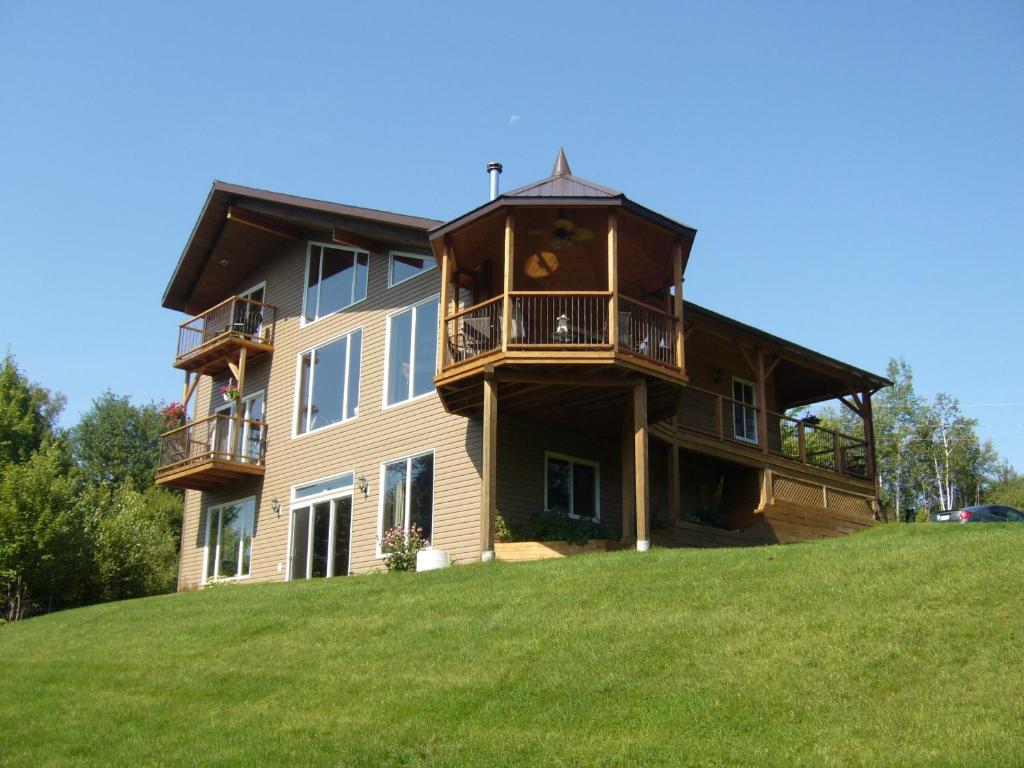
(494, 170)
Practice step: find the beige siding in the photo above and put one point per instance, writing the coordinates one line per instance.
(376, 435)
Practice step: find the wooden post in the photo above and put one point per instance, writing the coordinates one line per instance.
(442, 348)
(674, 497)
(613, 279)
(762, 403)
(643, 493)
(489, 479)
(869, 435)
(236, 441)
(628, 473)
(801, 441)
(836, 453)
(506, 302)
(677, 281)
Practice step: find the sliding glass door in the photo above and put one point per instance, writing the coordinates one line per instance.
(320, 538)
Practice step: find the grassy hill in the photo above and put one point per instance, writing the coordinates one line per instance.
(903, 645)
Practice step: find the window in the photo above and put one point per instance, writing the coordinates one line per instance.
(335, 279)
(407, 495)
(249, 448)
(572, 486)
(328, 384)
(744, 411)
(321, 525)
(405, 266)
(229, 530)
(411, 352)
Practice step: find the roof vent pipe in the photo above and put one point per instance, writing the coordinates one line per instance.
(494, 170)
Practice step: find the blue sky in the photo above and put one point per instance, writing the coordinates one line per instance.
(855, 170)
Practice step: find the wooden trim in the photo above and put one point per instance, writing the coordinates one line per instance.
(489, 477)
(643, 492)
(524, 294)
(344, 237)
(442, 347)
(257, 221)
(510, 253)
(593, 380)
(613, 278)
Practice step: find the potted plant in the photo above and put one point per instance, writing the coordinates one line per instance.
(230, 392)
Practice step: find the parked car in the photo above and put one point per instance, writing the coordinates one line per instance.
(983, 513)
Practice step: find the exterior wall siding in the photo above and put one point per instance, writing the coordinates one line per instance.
(360, 445)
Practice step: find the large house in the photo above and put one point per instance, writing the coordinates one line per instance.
(350, 370)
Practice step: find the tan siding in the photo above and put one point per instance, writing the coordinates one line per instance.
(360, 445)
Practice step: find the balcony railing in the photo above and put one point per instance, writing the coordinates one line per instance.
(548, 320)
(736, 422)
(220, 438)
(236, 319)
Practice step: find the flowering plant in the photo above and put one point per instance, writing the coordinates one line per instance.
(400, 548)
(173, 415)
(230, 391)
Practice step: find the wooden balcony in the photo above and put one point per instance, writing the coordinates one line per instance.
(207, 342)
(555, 326)
(740, 429)
(213, 451)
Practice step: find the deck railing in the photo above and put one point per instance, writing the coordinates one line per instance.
(236, 317)
(473, 331)
(219, 437)
(552, 320)
(647, 331)
(718, 416)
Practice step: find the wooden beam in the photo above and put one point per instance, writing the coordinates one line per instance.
(442, 346)
(869, 438)
(751, 361)
(762, 402)
(263, 223)
(506, 305)
(190, 388)
(776, 359)
(345, 237)
(489, 479)
(613, 279)
(643, 493)
(236, 438)
(677, 281)
(234, 370)
(853, 406)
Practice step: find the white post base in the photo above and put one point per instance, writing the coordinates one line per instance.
(487, 555)
(642, 545)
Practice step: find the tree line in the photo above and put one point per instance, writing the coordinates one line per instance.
(81, 520)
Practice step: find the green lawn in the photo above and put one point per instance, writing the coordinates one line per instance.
(903, 645)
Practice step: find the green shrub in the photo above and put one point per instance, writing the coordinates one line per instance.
(556, 525)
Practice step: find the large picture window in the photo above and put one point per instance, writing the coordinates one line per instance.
(572, 486)
(407, 495)
(321, 525)
(328, 383)
(405, 266)
(411, 352)
(229, 529)
(335, 279)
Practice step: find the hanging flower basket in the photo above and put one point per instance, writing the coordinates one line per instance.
(173, 415)
(230, 392)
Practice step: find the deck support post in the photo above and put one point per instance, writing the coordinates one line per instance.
(506, 304)
(613, 279)
(236, 442)
(628, 477)
(643, 493)
(869, 437)
(489, 484)
(674, 498)
(762, 402)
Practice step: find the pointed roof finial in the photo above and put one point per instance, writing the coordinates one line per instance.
(561, 165)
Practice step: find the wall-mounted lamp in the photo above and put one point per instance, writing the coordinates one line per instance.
(364, 486)
(276, 506)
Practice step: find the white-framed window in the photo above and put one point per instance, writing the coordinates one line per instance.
(320, 528)
(404, 266)
(744, 410)
(410, 359)
(572, 485)
(229, 530)
(407, 495)
(335, 279)
(327, 383)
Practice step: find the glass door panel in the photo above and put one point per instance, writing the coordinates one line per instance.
(342, 527)
(321, 539)
(300, 543)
